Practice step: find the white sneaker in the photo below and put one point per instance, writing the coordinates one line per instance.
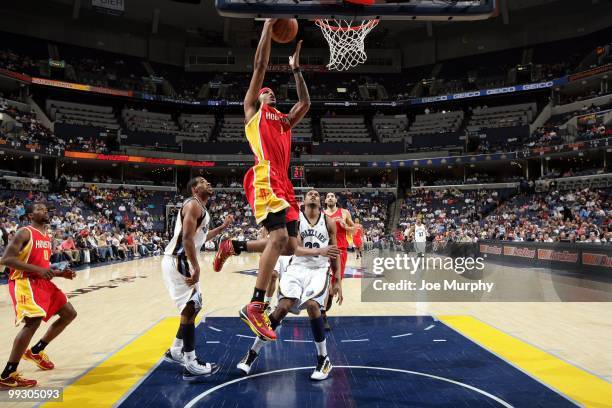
(323, 368)
(196, 369)
(247, 362)
(173, 359)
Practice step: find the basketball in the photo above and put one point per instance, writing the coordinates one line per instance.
(284, 30)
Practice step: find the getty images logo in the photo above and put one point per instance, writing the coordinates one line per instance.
(410, 264)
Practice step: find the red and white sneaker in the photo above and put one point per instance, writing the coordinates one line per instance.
(255, 317)
(15, 380)
(41, 359)
(226, 249)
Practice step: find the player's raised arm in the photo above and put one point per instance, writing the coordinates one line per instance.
(260, 64)
(191, 214)
(300, 109)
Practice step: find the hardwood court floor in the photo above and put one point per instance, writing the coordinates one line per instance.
(117, 303)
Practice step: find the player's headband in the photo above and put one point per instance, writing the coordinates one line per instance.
(264, 90)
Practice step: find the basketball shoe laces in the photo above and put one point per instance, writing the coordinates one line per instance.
(266, 319)
(17, 376)
(43, 356)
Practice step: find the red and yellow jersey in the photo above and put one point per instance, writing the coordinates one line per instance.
(269, 134)
(357, 236)
(37, 251)
(341, 237)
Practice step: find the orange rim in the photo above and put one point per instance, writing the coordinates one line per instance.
(322, 23)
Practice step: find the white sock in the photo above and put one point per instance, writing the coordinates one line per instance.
(258, 344)
(177, 343)
(189, 356)
(176, 352)
(321, 348)
(268, 299)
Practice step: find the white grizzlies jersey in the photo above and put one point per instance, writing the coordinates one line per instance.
(313, 236)
(420, 233)
(175, 247)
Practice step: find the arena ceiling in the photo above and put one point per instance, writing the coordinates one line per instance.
(170, 26)
(184, 16)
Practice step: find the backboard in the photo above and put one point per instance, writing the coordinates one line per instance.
(423, 10)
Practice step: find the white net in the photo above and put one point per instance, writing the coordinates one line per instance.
(346, 41)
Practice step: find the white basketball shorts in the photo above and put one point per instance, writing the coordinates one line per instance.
(304, 284)
(174, 271)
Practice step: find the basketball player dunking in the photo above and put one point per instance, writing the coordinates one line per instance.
(304, 283)
(35, 298)
(267, 185)
(344, 225)
(181, 273)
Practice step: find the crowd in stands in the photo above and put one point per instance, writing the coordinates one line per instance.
(370, 208)
(222, 204)
(95, 226)
(112, 73)
(91, 225)
(25, 131)
(17, 63)
(574, 172)
(581, 216)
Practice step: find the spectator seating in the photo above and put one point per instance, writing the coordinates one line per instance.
(345, 129)
(197, 126)
(144, 121)
(390, 128)
(303, 131)
(82, 114)
(232, 129)
(502, 116)
(441, 122)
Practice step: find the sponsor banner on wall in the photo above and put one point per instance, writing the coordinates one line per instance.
(334, 164)
(590, 72)
(305, 67)
(519, 252)
(597, 259)
(15, 75)
(81, 87)
(559, 256)
(335, 104)
(491, 249)
(138, 159)
(490, 92)
(577, 257)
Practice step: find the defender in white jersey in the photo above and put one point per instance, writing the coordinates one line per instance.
(420, 237)
(305, 282)
(181, 273)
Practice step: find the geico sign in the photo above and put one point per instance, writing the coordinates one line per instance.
(464, 95)
(541, 85)
(435, 98)
(501, 90)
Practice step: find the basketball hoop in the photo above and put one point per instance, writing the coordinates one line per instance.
(346, 41)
